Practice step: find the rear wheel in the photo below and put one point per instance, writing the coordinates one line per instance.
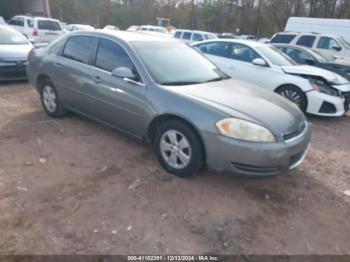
(295, 95)
(178, 148)
(50, 99)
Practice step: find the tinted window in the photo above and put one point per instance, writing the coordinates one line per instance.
(306, 40)
(218, 49)
(282, 38)
(178, 34)
(78, 48)
(12, 22)
(111, 55)
(327, 43)
(243, 53)
(49, 25)
(297, 55)
(20, 21)
(197, 37)
(187, 35)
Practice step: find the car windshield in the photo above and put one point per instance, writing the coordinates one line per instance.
(11, 37)
(319, 57)
(210, 36)
(175, 63)
(275, 56)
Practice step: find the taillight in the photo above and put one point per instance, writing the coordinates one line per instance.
(35, 32)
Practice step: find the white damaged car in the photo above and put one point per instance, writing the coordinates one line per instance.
(313, 90)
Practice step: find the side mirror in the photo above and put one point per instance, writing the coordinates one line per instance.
(123, 72)
(259, 62)
(309, 62)
(337, 48)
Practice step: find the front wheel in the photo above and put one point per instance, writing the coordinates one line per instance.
(178, 148)
(295, 95)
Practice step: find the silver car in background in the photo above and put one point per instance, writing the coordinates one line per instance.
(14, 50)
(162, 91)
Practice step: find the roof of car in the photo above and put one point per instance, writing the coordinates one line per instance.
(128, 36)
(241, 41)
(306, 33)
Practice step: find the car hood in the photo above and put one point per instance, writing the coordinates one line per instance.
(243, 100)
(15, 52)
(306, 70)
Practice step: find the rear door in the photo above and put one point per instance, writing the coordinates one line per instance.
(72, 72)
(48, 30)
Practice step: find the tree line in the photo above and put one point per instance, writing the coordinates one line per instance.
(259, 17)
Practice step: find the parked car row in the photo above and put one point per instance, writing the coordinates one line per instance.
(162, 91)
(228, 104)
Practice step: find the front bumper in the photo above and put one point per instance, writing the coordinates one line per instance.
(255, 159)
(13, 72)
(325, 105)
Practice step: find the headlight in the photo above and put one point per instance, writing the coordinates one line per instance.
(321, 87)
(245, 130)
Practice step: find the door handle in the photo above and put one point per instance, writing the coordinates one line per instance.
(97, 79)
(58, 65)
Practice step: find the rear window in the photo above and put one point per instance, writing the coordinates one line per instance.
(306, 40)
(282, 38)
(197, 37)
(49, 25)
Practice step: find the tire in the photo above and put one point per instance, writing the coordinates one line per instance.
(50, 100)
(178, 148)
(295, 95)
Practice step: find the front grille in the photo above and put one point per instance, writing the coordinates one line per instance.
(256, 169)
(328, 108)
(289, 136)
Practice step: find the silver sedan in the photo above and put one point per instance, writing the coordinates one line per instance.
(162, 91)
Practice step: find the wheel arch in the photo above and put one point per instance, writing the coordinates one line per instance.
(158, 120)
(41, 78)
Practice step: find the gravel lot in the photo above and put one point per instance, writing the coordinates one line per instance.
(71, 186)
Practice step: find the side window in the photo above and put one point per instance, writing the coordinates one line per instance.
(143, 29)
(20, 21)
(283, 38)
(218, 49)
(327, 43)
(187, 35)
(298, 56)
(30, 23)
(12, 21)
(57, 48)
(306, 40)
(78, 48)
(111, 55)
(178, 34)
(197, 37)
(243, 53)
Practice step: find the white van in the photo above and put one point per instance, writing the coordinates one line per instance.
(37, 29)
(339, 27)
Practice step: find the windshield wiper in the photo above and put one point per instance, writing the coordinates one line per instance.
(217, 79)
(179, 83)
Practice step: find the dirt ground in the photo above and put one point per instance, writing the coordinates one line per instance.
(72, 186)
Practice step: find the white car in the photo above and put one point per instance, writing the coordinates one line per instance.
(2, 21)
(77, 27)
(314, 90)
(330, 46)
(190, 36)
(37, 29)
(152, 28)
